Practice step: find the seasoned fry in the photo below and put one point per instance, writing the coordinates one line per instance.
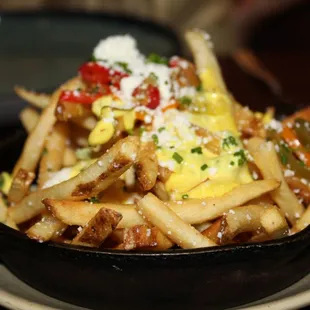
(146, 166)
(160, 191)
(35, 142)
(98, 228)
(38, 100)
(303, 222)
(29, 118)
(300, 189)
(163, 174)
(254, 218)
(205, 59)
(53, 155)
(197, 211)
(80, 212)
(69, 157)
(144, 237)
(87, 122)
(170, 224)
(266, 159)
(130, 178)
(20, 185)
(88, 183)
(46, 229)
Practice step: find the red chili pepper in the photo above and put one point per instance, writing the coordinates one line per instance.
(174, 62)
(95, 73)
(82, 97)
(148, 96)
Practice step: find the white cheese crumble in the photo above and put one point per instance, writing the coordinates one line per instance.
(289, 173)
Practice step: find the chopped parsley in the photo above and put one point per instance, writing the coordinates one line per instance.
(45, 151)
(153, 76)
(130, 132)
(185, 100)
(155, 138)
(166, 82)
(197, 150)
(177, 157)
(199, 87)
(284, 150)
(232, 163)
(124, 66)
(92, 58)
(161, 129)
(157, 59)
(185, 196)
(204, 167)
(229, 141)
(141, 130)
(93, 200)
(242, 157)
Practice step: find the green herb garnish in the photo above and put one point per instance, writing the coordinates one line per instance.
(185, 196)
(157, 59)
(177, 157)
(199, 87)
(204, 167)
(161, 129)
(141, 130)
(155, 138)
(45, 151)
(124, 66)
(185, 100)
(197, 150)
(232, 163)
(153, 76)
(242, 157)
(229, 141)
(1, 181)
(93, 200)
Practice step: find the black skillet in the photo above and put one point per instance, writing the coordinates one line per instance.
(213, 278)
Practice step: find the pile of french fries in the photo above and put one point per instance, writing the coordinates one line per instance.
(264, 209)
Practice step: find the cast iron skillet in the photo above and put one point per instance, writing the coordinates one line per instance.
(214, 278)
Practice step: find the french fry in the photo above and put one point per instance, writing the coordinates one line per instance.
(205, 59)
(69, 158)
(68, 110)
(300, 189)
(266, 159)
(53, 155)
(303, 222)
(29, 118)
(170, 224)
(98, 228)
(46, 229)
(146, 166)
(20, 185)
(81, 212)
(144, 237)
(87, 122)
(38, 100)
(91, 181)
(197, 211)
(160, 191)
(130, 178)
(163, 174)
(254, 218)
(35, 142)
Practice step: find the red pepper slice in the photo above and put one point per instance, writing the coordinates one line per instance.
(95, 73)
(82, 97)
(148, 96)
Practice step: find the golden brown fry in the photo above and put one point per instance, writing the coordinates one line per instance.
(197, 211)
(214, 142)
(80, 212)
(53, 153)
(35, 142)
(29, 118)
(144, 237)
(69, 158)
(87, 122)
(20, 185)
(170, 224)
(130, 178)
(160, 191)
(303, 222)
(91, 181)
(255, 218)
(98, 228)
(301, 190)
(46, 229)
(146, 166)
(163, 174)
(38, 100)
(266, 159)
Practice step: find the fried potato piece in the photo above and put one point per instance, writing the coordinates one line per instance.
(29, 118)
(197, 211)
(80, 212)
(34, 145)
(88, 183)
(146, 166)
(160, 191)
(53, 154)
(38, 100)
(98, 228)
(266, 159)
(163, 174)
(303, 222)
(254, 218)
(69, 158)
(213, 143)
(46, 229)
(170, 224)
(300, 189)
(146, 238)
(20, 185)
